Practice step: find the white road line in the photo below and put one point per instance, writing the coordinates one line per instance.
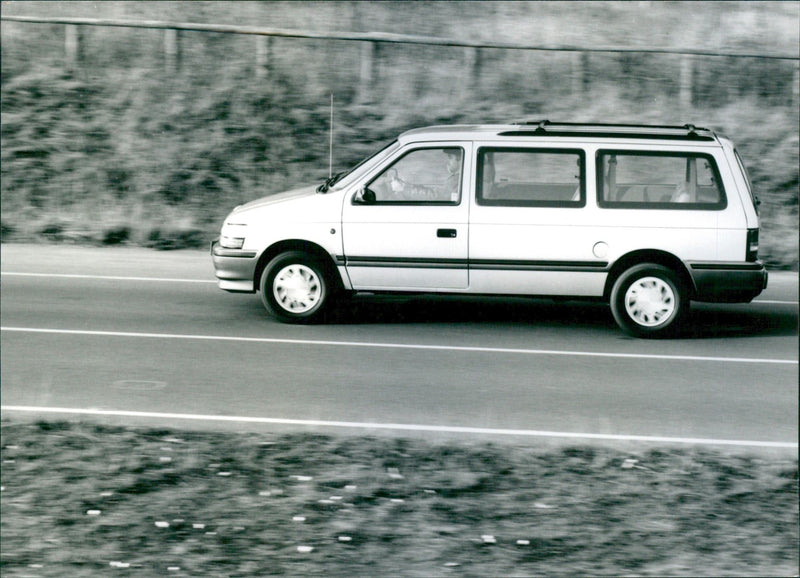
(397, 426)
(399, 346)
(105, 277)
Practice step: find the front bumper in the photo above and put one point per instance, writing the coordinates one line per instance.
(235, 269)
(728, 282)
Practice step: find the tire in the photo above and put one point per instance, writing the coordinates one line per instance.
(296, 288)
(649, 301)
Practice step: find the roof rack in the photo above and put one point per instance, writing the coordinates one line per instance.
(548, 128)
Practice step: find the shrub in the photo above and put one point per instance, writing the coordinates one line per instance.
(6, 231)
(169, 238)
(116, 235)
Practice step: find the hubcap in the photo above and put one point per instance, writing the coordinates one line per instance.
(650, 301)
(297, 288)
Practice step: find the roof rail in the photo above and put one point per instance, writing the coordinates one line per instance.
(547, 127)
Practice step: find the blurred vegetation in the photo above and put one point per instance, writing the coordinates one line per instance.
(121, 149)
(88, 500)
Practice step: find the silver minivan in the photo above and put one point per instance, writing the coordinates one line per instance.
(648, 218)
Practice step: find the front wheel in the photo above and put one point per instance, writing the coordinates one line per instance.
(295, 288)
(648, 300)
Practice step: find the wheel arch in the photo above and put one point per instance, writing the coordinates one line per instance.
(308, 247)
(655, 256)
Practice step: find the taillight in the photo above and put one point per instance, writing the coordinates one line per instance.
(752, 244)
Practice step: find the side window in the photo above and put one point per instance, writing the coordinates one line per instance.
(424, 175)
(642, 180)
(531, 177)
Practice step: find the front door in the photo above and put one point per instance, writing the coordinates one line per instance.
(406, 226)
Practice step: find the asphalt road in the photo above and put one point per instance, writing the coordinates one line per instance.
(131, 335)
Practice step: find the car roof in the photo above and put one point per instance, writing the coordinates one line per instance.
(548, 129)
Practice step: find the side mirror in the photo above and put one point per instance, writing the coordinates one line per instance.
(364, 196)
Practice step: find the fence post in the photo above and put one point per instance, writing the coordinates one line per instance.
(580, 72)
(72, 45)
(369, 70)
(796, 88)
(686, 81)
(172, 49)
(472, 57)
(263, 55)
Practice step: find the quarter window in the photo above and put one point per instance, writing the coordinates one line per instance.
(531, 177)
(747, 180)
(641, 180)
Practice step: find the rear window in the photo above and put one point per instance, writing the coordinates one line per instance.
(658, 180)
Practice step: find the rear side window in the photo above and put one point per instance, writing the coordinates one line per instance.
(660, 180)
(510, 177)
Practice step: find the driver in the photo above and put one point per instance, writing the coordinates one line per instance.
(448, 190)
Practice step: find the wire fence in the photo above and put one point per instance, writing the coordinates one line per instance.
(473, 51)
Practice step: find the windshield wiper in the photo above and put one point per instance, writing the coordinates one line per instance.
(330, 181)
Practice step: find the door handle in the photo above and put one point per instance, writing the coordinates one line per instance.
(446, 233)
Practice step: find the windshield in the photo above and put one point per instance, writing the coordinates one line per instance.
(345, 178)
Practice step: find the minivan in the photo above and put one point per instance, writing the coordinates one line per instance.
(647, 218)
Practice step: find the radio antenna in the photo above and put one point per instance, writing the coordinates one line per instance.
(330, 145)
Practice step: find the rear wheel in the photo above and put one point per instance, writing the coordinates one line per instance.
(295, 288)
(648, 300)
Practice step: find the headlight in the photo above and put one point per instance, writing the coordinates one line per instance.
(231, 242)
(232, 236)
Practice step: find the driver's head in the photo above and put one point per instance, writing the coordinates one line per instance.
(453, 159)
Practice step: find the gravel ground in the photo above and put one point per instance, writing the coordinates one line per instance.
(89, 500)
